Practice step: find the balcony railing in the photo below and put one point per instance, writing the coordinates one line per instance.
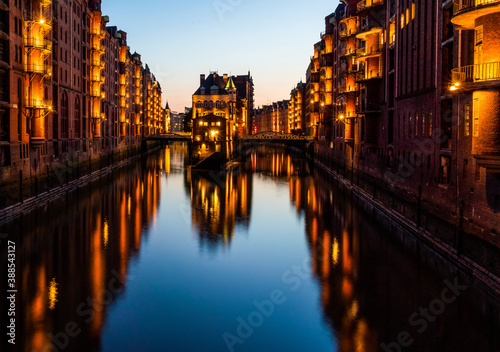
(347, 51)
(371, 50)
(346, 33)
(39, 69)
(38, 104)
(364, 76)
(476, 73)
(461, 5)
(366, 4)
(43, 44)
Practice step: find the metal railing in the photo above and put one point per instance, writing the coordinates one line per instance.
(371, 50)
(38, 103)
(347, 51)
(366, 4)
(38, 43)
(364, 76)
(461, 5)
(489, 71)
(40, 69)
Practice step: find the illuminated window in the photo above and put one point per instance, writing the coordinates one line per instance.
(205, 124)
(218, 123)
(475, 121)
(430, 124)
(423, 125)
(467, 120)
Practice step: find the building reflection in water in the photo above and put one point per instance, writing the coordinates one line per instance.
(73, 256)
(220, 201)
(372, 277)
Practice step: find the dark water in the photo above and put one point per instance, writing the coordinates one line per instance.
(271, 256)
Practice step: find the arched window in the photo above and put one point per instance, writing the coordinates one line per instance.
(206, 104)
(64, 115)
(217, 105)
(211, 105)
(77, 117)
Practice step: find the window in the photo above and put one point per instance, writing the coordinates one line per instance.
(430, 124)
(64, 115)
(475, 121)
(218, 123)
(478, 48)
(417, 126)
(77, 117)
(467, 120)
(205, 124)
(444, 171)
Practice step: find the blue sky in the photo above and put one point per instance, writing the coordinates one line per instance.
(179, 40)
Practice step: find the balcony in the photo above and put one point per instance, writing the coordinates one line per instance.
(38, 69)
(347, 52)
(348, 89)
(366, 5)
(366, 76)
(368, 27)
(366, 52)
(41, 44)
(39, 104)
(467, 11)
(44, 23)
(486, 72)
(347, 33)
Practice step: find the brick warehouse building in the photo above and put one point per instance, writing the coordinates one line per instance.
(415, 112)
(69, 85)
(274, 117)
(230, 97)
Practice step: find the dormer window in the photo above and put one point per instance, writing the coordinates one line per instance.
(202, 91)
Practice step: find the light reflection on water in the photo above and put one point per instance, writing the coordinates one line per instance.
(155, 258)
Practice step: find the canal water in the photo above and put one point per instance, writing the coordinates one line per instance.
(270, 256)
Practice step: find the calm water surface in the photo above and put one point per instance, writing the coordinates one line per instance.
(271, 256)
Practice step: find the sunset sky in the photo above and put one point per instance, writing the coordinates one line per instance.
(179, 40)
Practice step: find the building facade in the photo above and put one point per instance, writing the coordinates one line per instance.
(69, 85)
(414, 104)
(296, 111)
(230, 97)
(273, 118)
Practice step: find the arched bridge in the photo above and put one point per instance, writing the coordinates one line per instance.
(275, 137)
(175, 136)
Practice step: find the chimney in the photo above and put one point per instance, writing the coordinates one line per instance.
(202, 79)
(225, 77)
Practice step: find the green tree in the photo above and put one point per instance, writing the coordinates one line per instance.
(188, 122)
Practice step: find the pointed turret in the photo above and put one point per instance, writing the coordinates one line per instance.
(230, 84)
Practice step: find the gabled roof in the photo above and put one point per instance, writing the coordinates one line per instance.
(212, 81)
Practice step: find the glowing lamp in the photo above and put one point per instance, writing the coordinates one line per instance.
(453, 88)
(42, 21)
(341, 117)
